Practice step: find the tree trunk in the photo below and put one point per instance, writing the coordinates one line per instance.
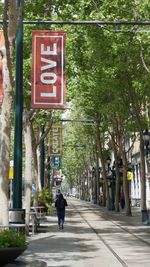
(137, 106)
(143, 174)
(5, 143)
(126, 184)
(9, 30)
(28, 168)
(34, 147)
(103, 167)
(117, 174)
(38, 167)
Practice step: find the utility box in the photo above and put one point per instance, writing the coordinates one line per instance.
(17, 216)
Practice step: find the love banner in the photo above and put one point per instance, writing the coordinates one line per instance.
(48, 69)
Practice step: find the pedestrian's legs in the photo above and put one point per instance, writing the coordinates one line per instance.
(59, 218)
(62, 219)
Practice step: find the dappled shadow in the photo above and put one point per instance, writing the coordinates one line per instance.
(59, 249)
(86, 231)
(66, 244)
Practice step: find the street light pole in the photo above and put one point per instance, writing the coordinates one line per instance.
(108, 177)
(94, 179)
(17, 181)
(97, 179)
(49, 170)
(113, 176)
(146, 138)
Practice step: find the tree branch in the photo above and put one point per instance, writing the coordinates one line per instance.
(141, 55)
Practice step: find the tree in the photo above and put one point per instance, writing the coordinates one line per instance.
(10, 13)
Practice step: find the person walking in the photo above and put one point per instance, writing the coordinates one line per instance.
(60, 205)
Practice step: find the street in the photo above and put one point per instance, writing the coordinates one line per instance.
(90, 238)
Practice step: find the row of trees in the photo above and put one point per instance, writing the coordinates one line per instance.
(107, 81)
(111, 77)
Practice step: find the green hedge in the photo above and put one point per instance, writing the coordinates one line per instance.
(10, 238)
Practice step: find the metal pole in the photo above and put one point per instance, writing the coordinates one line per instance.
(97, 178)
(113, 189)
(97, 22)
(49, 170)
(42, 157)
(17, 181)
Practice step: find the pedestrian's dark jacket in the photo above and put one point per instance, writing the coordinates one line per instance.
(57, 203)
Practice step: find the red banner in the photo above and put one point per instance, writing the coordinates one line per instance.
(2, 42)
(48, 69)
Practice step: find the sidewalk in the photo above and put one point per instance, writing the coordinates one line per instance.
(135, 219)
(131, 223)
(93, 236)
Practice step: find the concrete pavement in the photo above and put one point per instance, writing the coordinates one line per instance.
(92, 236)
